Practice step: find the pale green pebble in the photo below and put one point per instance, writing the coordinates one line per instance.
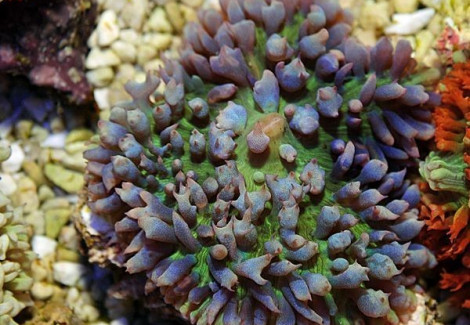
(55, 220)
(5, 152)
(145, 52)
(124, 73)
(100, 77)
(4, 243)
(39, 133)
(26, 195)
(88, 313)
(55, 203)
(436, 25)
(26, 184)
(73, 296)
(86, 298)
(68, 180)
(69, 238)
(45, 193)
(57, 125)
(424, 41)
(459, 56)
(64, 254)
(127, 52)
(57, 154)
(77, 147)
(34, 171)
(75, 162)
(158, 41)
(155, 64)
(258, 177)
(21, 282)
(23, 129)
(174, 15)
(36, 220)
(4, 200)
(405, 6)
(95, 138)
(436, 4)
(193, 3)
(38, 271)
(158, 21)
(28, 200)
(189, 13)
(42, 290)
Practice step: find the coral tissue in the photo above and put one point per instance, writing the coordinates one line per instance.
(445, 207)
(268, 182)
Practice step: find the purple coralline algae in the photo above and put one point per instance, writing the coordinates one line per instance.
(46, 42)
(268, 183)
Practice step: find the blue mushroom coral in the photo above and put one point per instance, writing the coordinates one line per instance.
(268, 183)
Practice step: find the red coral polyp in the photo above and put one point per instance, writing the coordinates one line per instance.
(445, 201)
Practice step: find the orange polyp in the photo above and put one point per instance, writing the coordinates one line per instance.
(273, 125)
(445, 145)
(446, 135)
(459, 223)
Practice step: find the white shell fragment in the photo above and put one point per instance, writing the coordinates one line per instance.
(406, 24)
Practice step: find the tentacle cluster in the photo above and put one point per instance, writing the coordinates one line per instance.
(445, 203)
(267, 184)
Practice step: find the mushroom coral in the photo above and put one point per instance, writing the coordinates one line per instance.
(445, 205)
(267, 184)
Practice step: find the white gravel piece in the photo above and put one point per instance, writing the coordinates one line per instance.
(43, 245)
(133, 13)
(68, 273)
(56, 141)
(100, 77)
(158, 41)
(130, 36)
(125, 50)
(158, 21)
(98, 58)
(407, 24)
(7, 184)
(102, 97)
(107, 29)
(13, 164)
(42, 290)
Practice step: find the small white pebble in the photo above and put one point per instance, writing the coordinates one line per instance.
(43, 246)
(130, 36)
(107, 29)
(88, 313)
(13, 164)
(56, 141)
(42, 290)
(125, 50)
(145, 53)
(102, 98)
(101, 58)
(68, 273)
(158, 21)
(134, 12)
(407, 24)
(93, 40)
(159, 41)
(100, 77)
(73, 296)
(8, 185)
(153, 65)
